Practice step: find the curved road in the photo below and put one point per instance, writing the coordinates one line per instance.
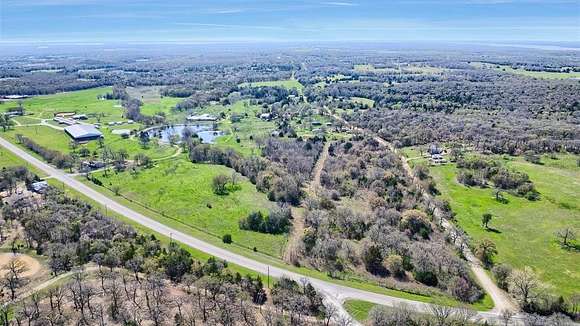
(334, 294)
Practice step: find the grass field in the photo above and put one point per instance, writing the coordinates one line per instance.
(363, 101)
(523, 72)
(525, 229)
(288, 83)
(183, 190)
(8, 159)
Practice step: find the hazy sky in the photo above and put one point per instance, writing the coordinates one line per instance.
(261, 20)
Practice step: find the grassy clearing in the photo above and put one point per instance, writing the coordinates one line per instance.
(358, 309)
(183, 190)
(523, 72)
(288, 83)
(8, 159)
(370, 103)
(525, 230)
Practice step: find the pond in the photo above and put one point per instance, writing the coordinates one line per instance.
(205, 132)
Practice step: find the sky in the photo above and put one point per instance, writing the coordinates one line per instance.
(288, 21)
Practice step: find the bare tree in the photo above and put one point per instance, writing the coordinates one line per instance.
(506, 316)
(566, 235)
(524, 284)
(441, 313)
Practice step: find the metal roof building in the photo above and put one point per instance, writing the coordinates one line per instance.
(83, 132)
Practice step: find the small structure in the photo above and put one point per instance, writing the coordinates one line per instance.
(65, 121)
(80, 117)
(125, 133)
(14, 113)
(437, 159)
(39, 187)
(82, 133)
(202, 117)
(266, 116)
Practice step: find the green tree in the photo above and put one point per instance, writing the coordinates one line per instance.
(485, 251)
(485, 219)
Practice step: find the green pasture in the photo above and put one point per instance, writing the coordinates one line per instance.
(183, 191)
(524, 230)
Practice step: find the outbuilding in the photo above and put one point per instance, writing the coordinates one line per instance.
(82, 133)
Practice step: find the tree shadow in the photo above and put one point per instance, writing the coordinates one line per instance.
(493, 230)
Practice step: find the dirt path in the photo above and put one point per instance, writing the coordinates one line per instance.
(298, 213)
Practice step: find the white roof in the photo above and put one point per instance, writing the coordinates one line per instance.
(83, 131)
(201, 117)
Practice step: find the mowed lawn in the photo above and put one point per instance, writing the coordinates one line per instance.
(526, 229)
(183, 191)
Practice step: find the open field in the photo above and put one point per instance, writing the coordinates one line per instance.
(523, 72)
(363, 101)
(183, 190)
(524, 230)
(288, 83)
(8, 159)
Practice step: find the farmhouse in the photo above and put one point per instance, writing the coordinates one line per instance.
(83, 132)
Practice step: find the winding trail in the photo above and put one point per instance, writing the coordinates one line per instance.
(333, 293)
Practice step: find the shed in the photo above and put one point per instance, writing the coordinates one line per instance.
(83, 132)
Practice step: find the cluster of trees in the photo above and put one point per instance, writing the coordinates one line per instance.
(11, 176)
(119, 93)
(532, 295)
(280, 174)
(383, 227)
(439, 315)
(268, 94)
(478, 171)
(60, 160)
(276, 222)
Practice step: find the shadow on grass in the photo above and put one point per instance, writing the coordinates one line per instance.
(493, 230)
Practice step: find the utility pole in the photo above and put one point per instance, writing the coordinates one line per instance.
(268, 277)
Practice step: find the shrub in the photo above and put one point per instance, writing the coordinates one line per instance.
(277, 221)
(227, 238)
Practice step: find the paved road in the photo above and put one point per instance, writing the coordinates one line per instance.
(334, 293)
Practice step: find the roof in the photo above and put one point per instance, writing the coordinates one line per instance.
(39, 186)
(83, 131)
(202, 117)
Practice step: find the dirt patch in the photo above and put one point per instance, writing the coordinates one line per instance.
(31, 265)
